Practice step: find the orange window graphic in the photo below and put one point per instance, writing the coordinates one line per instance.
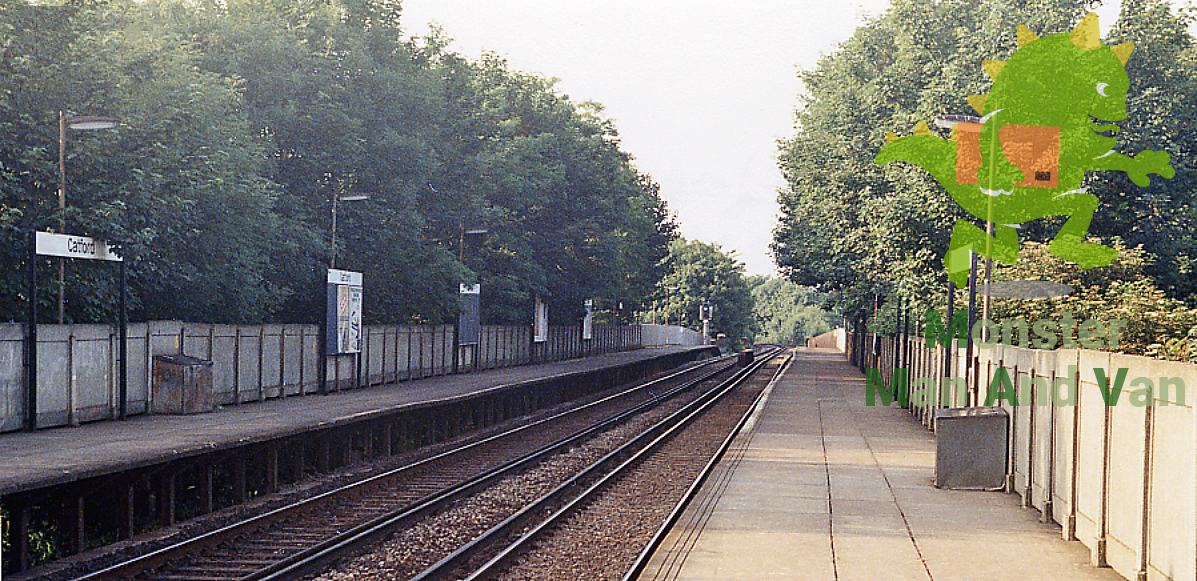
(1034, 149)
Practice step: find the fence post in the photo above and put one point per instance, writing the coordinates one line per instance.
(282, 361)
(261, 361)
(123, 322)
(1050, 486)
(1097, 554)
(236, 361)
(72, 418)
(1148, 424)
(148, 357)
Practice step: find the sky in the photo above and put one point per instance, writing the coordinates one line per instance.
(699, 90)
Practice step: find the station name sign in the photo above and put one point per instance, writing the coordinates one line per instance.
(68, 246)
(344, 277)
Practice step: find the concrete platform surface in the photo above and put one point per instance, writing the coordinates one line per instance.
(820, 486)
(33, 460)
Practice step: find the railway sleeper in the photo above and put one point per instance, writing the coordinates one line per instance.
(191, 578)
(226, 570)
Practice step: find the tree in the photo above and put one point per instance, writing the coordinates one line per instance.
(856, 231)
(700, 273)
(1155, 323)
(244, 119)
(178, 186)
(1160, 217)
(786, 313)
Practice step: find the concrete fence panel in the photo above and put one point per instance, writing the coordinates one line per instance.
(88, 368)
(12, 376)
(660, 335)
(270, 360)
(292, 351)
(140, 367)
(1120, 477)
(78, 364)
(1172, 545)
(1043, 448)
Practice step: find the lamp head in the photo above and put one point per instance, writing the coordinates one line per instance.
(91, 123)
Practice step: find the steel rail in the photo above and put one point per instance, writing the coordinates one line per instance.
(683, 503)
(164, 555)
(631, 453)
(323, 553)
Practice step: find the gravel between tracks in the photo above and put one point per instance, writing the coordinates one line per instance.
(311, 485)
(601, 542)
(414, 549)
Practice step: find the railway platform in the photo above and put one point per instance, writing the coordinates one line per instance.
(820, 486)
(121, 478)
(53, 456)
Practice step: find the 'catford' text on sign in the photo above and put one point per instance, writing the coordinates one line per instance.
(68, 246)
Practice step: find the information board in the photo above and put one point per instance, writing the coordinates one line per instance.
(469, 322)
(344, 312)
(540, 322)
(588, 320)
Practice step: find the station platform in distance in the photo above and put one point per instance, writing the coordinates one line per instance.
(55, 456)
(817, 485)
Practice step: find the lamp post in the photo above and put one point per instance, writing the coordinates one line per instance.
(323, 318)
(342, 197)
(469, 318)
(666, 313)
(80, 123)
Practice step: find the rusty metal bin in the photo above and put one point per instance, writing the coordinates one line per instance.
(182, 385)
(970, 448)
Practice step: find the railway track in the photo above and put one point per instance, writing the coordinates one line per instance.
(290, 541)
(586, 525)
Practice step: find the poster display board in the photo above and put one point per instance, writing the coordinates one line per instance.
(344, 312)
(540, 322)
(469, 322)
(588, 320)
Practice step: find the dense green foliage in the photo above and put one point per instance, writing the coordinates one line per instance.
(695, 273)
(242, 119)
(859, 231)
(786, 313)
(1156, 324)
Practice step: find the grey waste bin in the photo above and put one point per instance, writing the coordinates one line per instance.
(970, 450)
(182, 385)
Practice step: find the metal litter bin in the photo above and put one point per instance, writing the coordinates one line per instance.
(182, 385)
(970, 451)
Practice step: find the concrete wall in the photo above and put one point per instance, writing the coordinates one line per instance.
(1121, 478)
(834, 339)
(659, 335)
(77, 364)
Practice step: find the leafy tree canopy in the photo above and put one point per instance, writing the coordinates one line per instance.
(243, 119)
(786, 313)
(858, 231)
(697, 273)
(1155, 323)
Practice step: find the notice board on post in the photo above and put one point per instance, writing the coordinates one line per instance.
(588, 320)
(540, 321)
(469, 322)
(344, 312)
